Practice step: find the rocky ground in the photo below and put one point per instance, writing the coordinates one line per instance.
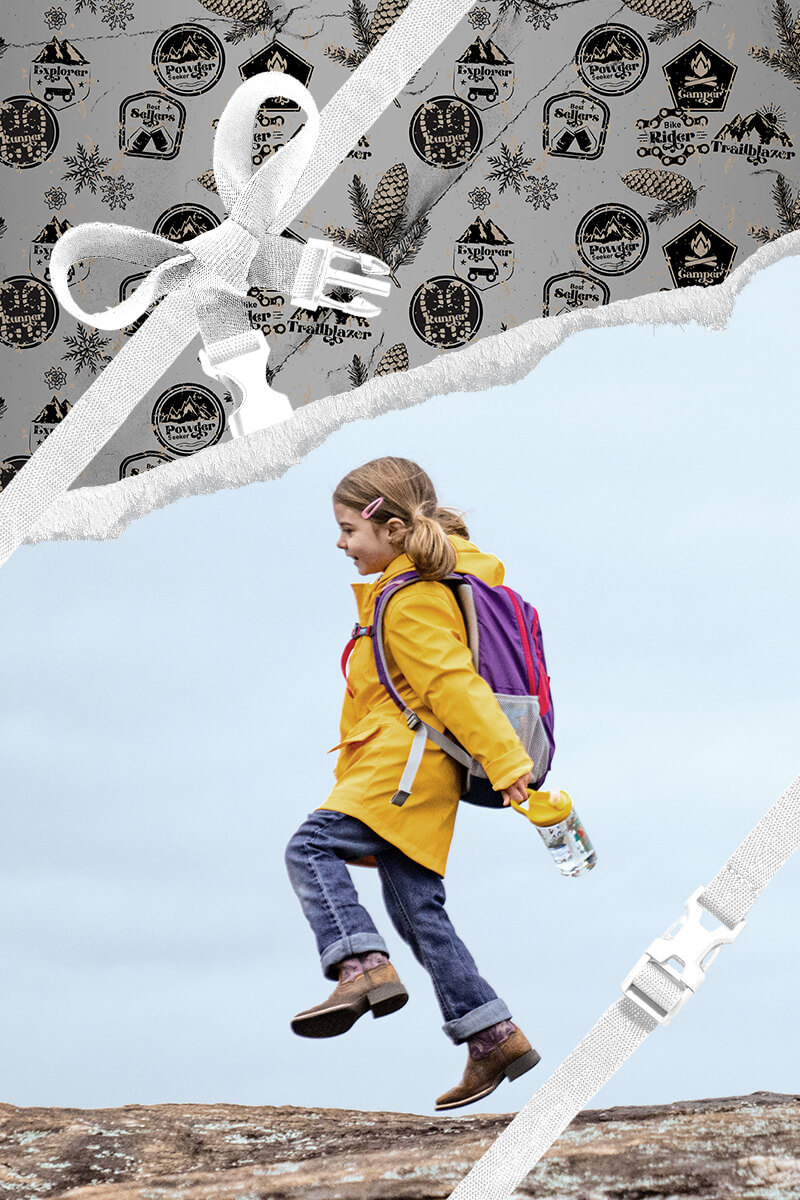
(737, 1147)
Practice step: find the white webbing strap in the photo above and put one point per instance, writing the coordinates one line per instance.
(412, 764)
(424, 732)
(205, 280)
(654, 993)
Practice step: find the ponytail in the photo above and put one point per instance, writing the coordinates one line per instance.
(409, 495)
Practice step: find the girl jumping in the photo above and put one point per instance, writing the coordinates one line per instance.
(390, 521)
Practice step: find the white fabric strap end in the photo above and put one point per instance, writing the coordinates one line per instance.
(653, 994)
(414, 759)
(732, 893)
(233, 142)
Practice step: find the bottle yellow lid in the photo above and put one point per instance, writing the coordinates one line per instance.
(545, 808)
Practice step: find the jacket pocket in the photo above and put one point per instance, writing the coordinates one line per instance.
(352, 747)
(357, 735)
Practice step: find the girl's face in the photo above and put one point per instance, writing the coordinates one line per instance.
(368, 544)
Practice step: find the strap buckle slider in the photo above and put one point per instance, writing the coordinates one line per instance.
(245, 374)
(683, 953)
(315, 271)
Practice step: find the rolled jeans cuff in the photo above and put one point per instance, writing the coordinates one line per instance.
(346, 947)
(480, 1018)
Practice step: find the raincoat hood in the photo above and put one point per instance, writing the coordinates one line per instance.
(469, 559)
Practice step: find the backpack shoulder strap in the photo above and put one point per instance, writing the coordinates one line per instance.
(422, 730)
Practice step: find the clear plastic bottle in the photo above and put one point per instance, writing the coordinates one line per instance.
(562, 832)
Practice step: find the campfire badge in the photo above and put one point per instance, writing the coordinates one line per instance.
(277, 57)
(700, 256)
(700, 78)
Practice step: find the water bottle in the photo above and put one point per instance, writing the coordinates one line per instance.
(554, 815)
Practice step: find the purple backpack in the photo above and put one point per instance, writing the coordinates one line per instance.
(505, 639)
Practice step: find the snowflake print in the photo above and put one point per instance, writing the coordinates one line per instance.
(117, 13)
(55, 379)
(541, 16)
(55, 18)
(540, 191)
(80, 5)
(479, 197)
(511, 167)
(117, 192)
(87, 169)
(87, 349)
(55, 197)
(479, 18)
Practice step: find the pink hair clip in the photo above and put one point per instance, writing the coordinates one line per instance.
(371, 507)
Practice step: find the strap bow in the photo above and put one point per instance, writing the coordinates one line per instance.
(201, 284)
(215, 270)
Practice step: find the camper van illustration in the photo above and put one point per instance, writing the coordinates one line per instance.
(488, 272)
(482, 93)
(63, 90)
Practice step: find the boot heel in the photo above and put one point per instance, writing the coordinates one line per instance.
(522, 1064)
(387, 998)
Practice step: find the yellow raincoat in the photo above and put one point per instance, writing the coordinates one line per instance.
(430, 664)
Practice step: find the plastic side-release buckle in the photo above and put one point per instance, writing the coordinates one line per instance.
(688, 944)
(315, 271)
(246, 375)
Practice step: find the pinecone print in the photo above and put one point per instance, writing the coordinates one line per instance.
(208, 180)
(395, 359)
(386, 14)
(238, 10)
(677, 16)
(383, 229)
(663, 185)
(676, 192)
(662, 10)
(389, 197)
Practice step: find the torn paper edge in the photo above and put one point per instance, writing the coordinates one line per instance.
(105, 511)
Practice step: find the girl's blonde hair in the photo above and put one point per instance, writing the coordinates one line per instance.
(408, 494)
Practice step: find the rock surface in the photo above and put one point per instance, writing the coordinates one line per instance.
(737, 1147)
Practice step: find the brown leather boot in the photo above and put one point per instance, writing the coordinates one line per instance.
(378, 988)
(510, 1059)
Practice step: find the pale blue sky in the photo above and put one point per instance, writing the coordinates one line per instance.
(170, 698)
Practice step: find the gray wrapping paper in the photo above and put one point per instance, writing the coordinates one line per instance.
(550, 168)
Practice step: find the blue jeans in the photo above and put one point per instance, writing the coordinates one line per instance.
(414, 898)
